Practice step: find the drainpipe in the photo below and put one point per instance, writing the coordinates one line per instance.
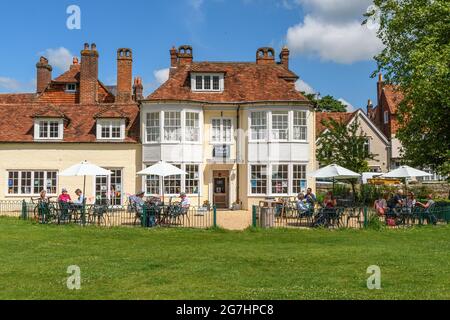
(238, 154)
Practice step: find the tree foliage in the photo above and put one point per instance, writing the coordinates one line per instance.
(327, 103)
(416, 58)
(344, 145)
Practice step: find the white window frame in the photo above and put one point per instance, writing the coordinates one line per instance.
(183, 181)
(288, 128)
(110, 122)
(37, 129)
(211, 75)
(109, 184)
(386, 117)
(222, 135)
(179, 129)
(32, 193)
(195, 128)
(269, 166)
(147, 127)
(265, 131)
(69, 89)
(294, 126)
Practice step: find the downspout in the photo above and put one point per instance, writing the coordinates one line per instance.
(238, 154)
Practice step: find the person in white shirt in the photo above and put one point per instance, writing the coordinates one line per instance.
(302, 205)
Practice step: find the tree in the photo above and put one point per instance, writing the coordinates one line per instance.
(416, 59)
(326, 104)
(344, 145)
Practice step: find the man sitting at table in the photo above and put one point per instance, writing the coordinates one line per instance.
(302, 204)
(310, 197)
(138, 201)
(185, 202)
(431, 218)
(80, 200)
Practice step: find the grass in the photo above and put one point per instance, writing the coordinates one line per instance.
(216, 264)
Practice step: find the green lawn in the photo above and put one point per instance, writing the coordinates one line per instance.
(214, 264)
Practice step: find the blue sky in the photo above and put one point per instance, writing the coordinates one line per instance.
(330, 50)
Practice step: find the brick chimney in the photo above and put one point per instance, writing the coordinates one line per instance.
(185, 55)
(265, 56)
(89, 75)
(44, 74)
(124, 75)
(379, 87)
(284, 57)
(370, 109)
(138, 89)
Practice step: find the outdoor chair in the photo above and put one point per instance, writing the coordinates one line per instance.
(63, 213)
(98, 213)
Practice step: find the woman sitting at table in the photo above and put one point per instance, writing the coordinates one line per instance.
(330, 201)
(381, 205)
(411, 202)
(64, 196)
(43, 196)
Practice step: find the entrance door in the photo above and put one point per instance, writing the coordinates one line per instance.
(221, 192)
(109, 190)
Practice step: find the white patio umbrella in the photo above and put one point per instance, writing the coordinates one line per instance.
(85, 169)
(334, 172)
(162, 169)
(406, 172)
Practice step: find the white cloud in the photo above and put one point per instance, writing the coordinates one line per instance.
(350, 107)
(332, 30)
(60, 58)
(13, 85)
(302, 86)
(161, 75)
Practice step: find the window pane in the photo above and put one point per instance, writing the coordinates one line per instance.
(13, 182)
(300, 125)
(227, 130)
(43, 129)
(172, 126)
(299, 178)
(51, 183)
(25, 183)
(192, 126)
(116, 187)
(54, 129)
(258, 179)
(207, 83)
(172, 184)
(153, 127)
(152, 185)
(39, 182)
(116, 130)
(216, 83)
(216, 130)
(192, 179)
(199, 82)
(258, 125)
(280, 125)
(280, 179)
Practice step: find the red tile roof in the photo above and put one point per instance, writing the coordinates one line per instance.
(244, 82)
(70, 76)
(17, 121)
(9, 98)
(393, 97)
(321, 117)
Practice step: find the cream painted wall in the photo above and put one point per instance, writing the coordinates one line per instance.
(49, 156)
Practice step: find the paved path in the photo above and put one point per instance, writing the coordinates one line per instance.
(234, 220)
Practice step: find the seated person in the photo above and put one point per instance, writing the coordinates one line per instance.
(302, 204)
(185, 202)
(64, 196)
(43, 197)
(411, 202)
(399, 199)
(310, 197)
(330, 201)
(137, 200)
(381, 205)
(80, 200)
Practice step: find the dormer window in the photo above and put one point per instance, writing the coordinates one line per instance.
(48, 129)
(71, 87)
(207, 82)
(110, 129)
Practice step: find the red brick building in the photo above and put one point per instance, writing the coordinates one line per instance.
(71, 118)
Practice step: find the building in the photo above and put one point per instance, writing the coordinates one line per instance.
(384, 116)
(377, 143)
(69, 119)
(240, 130)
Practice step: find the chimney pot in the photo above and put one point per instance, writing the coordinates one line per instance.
(185, 55)
(138, 89)
(265, 56)
(284, 56)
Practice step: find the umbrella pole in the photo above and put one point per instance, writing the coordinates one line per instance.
(83, 213)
